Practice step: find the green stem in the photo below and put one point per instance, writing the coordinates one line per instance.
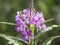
(30, 41)
(35, 43)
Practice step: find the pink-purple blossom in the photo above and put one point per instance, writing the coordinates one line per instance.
(24, 18)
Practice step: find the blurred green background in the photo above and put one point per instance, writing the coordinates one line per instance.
(8, 9)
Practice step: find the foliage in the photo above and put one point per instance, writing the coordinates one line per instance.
(50, 8)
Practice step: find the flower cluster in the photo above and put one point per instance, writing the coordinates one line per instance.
(26, 18)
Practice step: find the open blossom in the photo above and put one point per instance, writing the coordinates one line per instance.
(25, 18)
(26, 34)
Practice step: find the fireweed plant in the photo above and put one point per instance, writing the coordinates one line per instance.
(28, 22)
(25, 20)
(28, 19)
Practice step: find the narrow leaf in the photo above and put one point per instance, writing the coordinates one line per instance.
(49, 41)
(9, 39)
(12, 39)
(8, 23)
(49, 20)
(44, 31)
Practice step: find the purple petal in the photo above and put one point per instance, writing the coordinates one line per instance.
(29, 32)
(43, 27)
(24, 38)
(17, 28)
(24, 32)
(26, 11)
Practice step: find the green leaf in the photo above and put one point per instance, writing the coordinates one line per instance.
(44, 31)
(13, 40)
(49, 41)
(8, 23)
(32, 28)
(49, 20)
(19, 39)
